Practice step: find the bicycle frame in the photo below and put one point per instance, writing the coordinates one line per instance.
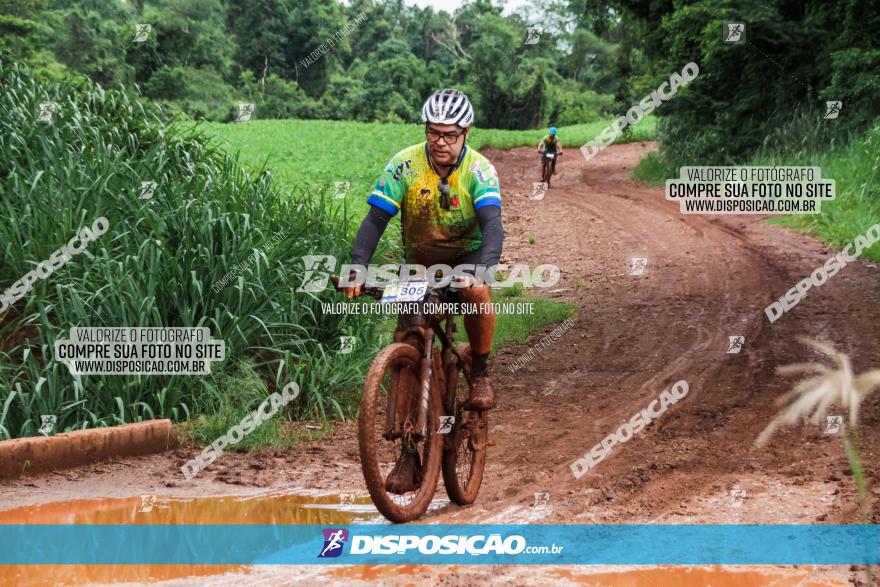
(419, 330)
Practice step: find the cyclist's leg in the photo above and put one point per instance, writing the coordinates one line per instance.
(480, 328)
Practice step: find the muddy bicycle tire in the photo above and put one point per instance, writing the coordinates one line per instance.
(396, 356)
(464, 454)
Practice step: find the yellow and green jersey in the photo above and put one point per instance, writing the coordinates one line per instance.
(431, 234)
(550, 144)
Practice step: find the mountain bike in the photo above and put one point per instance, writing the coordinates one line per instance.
(415, 401)
(548, 166)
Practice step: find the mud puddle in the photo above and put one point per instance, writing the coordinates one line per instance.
(153, 509)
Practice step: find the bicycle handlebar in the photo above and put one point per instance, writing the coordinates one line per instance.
(375, 292)
(366, 290)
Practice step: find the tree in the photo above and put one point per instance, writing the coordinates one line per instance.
(94, 45)
(21, 30)
(278, 98)
(275, 36)
(392, 83)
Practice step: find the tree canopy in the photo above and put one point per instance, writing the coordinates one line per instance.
(566, 62)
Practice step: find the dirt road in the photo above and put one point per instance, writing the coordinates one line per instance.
(706, 279)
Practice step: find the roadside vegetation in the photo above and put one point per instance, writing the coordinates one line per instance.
(157, 262)
(763, 100)
(851, 160)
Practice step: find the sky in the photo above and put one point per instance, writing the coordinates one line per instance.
(451, 5)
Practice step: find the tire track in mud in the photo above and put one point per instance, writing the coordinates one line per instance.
(637, 385)
(708, 278)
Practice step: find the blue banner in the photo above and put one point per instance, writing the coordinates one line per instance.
(566, 544)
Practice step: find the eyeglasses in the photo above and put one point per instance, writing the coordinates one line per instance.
(448, 137)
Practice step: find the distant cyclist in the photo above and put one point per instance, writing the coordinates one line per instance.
(549, 144)
(449, 197)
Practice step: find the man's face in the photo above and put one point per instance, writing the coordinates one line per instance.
(441, 152)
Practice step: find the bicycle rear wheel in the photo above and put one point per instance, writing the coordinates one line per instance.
(464, 454)
(384, 436)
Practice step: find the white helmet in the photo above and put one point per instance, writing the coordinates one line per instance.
(448, 107)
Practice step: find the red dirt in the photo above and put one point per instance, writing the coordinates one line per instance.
(707, 278)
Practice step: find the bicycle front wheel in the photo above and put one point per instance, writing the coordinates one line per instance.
(389, 444)
(465, 455)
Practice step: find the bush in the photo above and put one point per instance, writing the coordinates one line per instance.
(200, 93)
(796, 56)
(853, 161)
(855, 82)
(278, 98)
(574, 105)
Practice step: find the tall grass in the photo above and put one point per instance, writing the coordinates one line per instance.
(156, 263)
(854, 163)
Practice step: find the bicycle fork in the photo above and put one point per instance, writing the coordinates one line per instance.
(399, 417)
(425, 375)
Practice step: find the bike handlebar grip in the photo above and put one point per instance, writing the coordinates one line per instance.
(375, 292)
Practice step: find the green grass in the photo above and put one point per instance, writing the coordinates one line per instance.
(225, 411)
(855, 167)
(572, 137)
(854, 164)
(516, 328)
(314, 154)
(221, 412)
(653, 169)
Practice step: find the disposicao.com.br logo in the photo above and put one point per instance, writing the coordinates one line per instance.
(334, 542)
(319, 268)
(448, 544)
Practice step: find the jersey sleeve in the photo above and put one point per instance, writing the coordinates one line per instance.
(389, 190)
(485, 185)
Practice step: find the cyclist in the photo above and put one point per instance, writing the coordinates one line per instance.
(449, 197)
(549, 144)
